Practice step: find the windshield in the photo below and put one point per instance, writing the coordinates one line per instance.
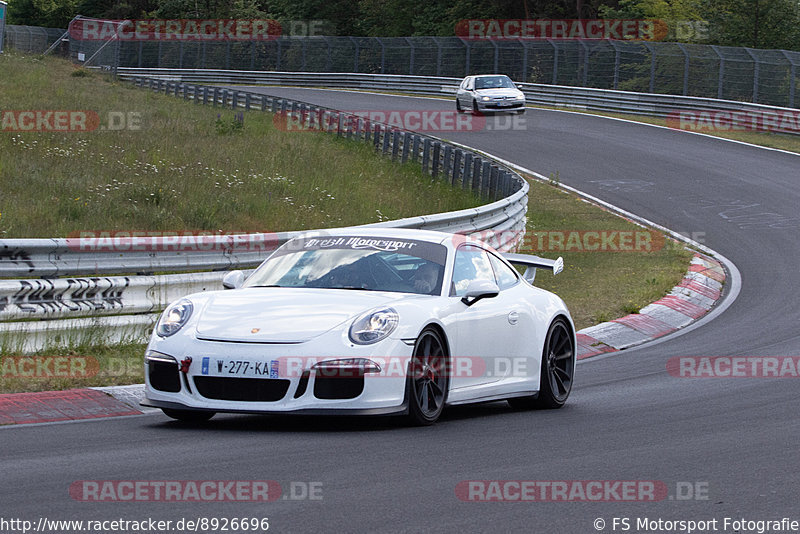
(365, 263)
(494, 82)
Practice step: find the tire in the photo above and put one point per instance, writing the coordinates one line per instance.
(557, 370)
(188, 416)
(521, 112)
(458, 106)
(475, 110)
(428, 379)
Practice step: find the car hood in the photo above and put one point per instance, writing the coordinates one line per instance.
(502, 91)
(283, 315)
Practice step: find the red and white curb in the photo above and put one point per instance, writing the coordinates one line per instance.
(67, 405)
(691, 299)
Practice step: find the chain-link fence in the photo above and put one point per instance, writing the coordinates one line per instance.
(767, 77)
(763, 76)
(33, 39)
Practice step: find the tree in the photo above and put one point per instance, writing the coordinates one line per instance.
(47, 13)
(754, 23)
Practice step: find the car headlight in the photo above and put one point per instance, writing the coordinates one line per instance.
(174, 318)
(486, 98)
(373, 326)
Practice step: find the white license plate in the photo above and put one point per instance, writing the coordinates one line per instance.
(506, 104)
(240, 368)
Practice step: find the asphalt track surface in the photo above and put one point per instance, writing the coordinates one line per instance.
(627, 418)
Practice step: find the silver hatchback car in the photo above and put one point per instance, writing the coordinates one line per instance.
(489, 93)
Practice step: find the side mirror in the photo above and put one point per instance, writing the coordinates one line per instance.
(479, 289)
(520, 87)
(233, 280)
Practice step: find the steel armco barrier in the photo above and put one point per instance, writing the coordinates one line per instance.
(582, 98)
(68, 286)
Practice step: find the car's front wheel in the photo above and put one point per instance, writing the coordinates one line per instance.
(458, 106)
(188, 416)
(428, 378)
(557, 370)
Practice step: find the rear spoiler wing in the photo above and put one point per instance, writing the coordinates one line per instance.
(534, 262)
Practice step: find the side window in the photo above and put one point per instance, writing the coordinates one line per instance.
(506, 276)
(471, 263)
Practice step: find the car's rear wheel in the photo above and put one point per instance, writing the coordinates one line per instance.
(428, 378)
(557, 370)
(188, 416)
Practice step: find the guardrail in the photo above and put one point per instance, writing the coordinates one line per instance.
(656, 105)
(90, 302)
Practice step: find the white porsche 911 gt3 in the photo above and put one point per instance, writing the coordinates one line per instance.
(366, 322)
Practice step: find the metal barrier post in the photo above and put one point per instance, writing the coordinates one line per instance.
(406, 146)
(426, 155)
(466, 178)
(721, 74)
(437, 150)
(476, 175)
(386, 139)
(792, 76)
(415, 148)
(756, 73)
(395, 144)
(448, 159)
(685, 69)
(2, 23)
(457, 155)
(376, 135)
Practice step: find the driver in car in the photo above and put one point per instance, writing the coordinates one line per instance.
(425, 278)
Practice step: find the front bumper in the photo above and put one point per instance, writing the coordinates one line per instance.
(287, 382)
(493, 106)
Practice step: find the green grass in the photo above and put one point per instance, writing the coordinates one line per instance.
(187, 169)
(87, 366)
(598, 286)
